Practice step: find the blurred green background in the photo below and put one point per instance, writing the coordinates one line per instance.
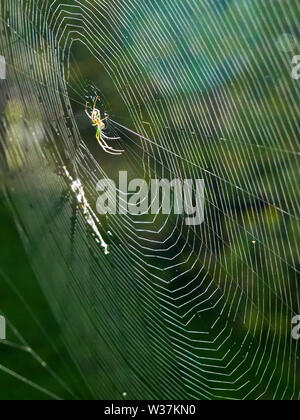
(26, 308)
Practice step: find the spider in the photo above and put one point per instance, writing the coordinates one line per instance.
(95, 117)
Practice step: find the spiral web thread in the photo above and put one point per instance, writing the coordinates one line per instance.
(172, 312)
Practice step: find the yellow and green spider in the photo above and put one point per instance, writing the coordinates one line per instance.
(95, 117)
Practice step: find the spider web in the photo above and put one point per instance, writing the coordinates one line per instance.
(195, 89)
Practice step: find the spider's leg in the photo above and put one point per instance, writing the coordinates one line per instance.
(113, 152)
(100, 141)
(117, 152)
(86, 111)
(105, 146)
(111, 138)
(95, 102)
(106, 118)
(111, 148)
(90, 116)
(104, 142)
